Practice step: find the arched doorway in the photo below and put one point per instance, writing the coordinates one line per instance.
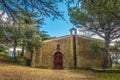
(58, 60)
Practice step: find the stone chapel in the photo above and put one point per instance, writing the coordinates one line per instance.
(70, 51)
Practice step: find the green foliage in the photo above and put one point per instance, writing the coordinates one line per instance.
(98, 75)
(29, 36)
(20, 60)
(44, 35)
(77, 16)
(107, 76)
(31, 9)
(115, 67)
(34, 39)
(3, 48)
(3, 54)
(96, 48)
(116, 48)
(101, 17)
(98, 16)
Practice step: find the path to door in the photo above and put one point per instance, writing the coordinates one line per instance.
(13, 72)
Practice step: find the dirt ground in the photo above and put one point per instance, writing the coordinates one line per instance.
(13, 72)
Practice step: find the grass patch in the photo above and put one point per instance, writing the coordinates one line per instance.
(98, 75)
(107, 76)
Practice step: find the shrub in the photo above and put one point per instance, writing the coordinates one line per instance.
(3, 54)
(3, 48)
(96, 48)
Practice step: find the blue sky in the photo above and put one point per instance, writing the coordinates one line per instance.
(59, 27)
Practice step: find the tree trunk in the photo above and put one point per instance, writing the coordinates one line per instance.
(33, 55)
(14, 49)
(107, 58)
(23, 48)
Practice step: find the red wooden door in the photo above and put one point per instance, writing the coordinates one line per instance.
(58, 60)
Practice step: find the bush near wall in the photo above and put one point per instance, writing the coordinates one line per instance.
(97, 48)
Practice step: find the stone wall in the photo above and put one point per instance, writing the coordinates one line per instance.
(84, 56)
